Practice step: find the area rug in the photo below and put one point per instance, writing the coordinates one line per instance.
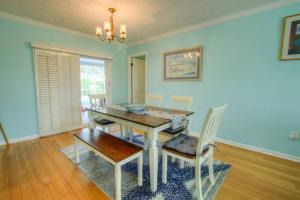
(180, 186)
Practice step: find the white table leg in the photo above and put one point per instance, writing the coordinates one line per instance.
(164, 167)
(118, 181)
(153, 155)
(77, 150)
(140, 170)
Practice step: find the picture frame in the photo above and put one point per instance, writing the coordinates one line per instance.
(290, 44)
(183, 64)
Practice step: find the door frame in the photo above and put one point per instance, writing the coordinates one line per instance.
(129, 72)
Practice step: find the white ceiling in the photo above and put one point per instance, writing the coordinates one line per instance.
(144, 18)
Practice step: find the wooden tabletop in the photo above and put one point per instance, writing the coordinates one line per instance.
(111, 146)
(146, 120)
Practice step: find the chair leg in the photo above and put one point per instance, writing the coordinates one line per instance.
(125, 131)
(145, 140)
(198, 179)
(121, 131)
(140, 170)
(164, 167)
(130, 134)
(181, 164)
(211, 169)
(118, 181)
(173, 159)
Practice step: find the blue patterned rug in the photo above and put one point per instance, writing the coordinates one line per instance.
(180, 186)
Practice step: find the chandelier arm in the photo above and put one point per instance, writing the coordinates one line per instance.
(120, 40)
(102, 38)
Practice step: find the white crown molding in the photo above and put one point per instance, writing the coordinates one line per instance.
(260, 150)
(71, 51)
(44, 25)
(260, 9)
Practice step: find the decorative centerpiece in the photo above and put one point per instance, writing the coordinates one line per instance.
(135, 107)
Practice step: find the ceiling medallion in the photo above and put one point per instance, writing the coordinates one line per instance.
(109, 30)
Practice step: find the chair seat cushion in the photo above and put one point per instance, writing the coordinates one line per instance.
(174, 131)
(102, 121)
(184, 144)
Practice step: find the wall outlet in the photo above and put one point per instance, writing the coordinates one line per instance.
(294, 135)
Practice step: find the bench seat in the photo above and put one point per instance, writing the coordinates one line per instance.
(112, 147)
(114, 150)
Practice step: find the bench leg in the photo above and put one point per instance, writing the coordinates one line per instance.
(140, 170)
(77, 150)
(118, 181)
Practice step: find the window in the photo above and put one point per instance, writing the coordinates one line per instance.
(93, 81)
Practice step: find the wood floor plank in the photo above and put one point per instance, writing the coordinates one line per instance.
(38, 170)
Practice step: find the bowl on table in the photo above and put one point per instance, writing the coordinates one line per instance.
(135, 107)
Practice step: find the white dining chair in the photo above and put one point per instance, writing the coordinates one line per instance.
(179, 103)
(99, 101)
(195, 150)
(154, 100)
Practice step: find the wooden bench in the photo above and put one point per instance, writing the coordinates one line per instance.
(114, 150)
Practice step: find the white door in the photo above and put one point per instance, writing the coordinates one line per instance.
(138, 81)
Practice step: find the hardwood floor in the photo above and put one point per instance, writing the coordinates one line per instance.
(38, 170)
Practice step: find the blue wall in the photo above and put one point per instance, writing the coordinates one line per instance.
(240, 68)
(17, 85)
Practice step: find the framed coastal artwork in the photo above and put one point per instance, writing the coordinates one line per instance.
(184, 64)
(290, 47)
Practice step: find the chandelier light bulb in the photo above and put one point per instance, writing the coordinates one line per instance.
(123, 29)
(107, 26)
(98, 31)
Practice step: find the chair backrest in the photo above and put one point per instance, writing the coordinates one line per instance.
(97, 100)
(210, 127)
(181, 102)
(154, 100)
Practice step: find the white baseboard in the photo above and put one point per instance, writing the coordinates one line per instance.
(62, 130)
(260, 150)
(32, 137)
(21, 139)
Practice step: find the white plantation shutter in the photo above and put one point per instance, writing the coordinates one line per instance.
(54, 90)
(58, 91)
(41, 62)
(66, 91)
(75, 87)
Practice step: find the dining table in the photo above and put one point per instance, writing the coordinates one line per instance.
(151, 125)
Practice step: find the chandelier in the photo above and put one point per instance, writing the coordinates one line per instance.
(109, 30)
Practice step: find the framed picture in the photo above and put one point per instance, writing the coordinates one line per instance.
(290, 47)
(183, 64)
